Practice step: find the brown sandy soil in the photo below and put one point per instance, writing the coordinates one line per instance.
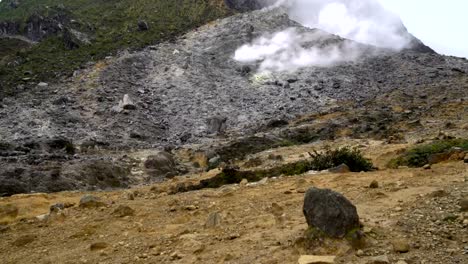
(260, 223)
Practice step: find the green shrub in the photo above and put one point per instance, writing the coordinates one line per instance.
(419, 155)
(334, 157)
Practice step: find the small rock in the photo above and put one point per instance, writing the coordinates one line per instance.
(57, 207)
(379, 260)
(244, 182)
(98, 246)
(311, 259)
(130, 196)
(214, 220)
(143, 25)
(427, 167)
(401, 262)
(360, 253)
(123, 211)
(42, 84)
(24, 240)
(343, 168)
(191, 207)
(464, 205)
(374, 184)
(450, 217)
(43, 217)
(263, 181)
(89, 201)
(439, 193)
(4, 228)
(127, 103)
(400, 245)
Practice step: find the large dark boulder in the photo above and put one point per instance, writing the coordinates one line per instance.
(330, 212)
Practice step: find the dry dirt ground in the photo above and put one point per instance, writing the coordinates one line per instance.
(256, 223)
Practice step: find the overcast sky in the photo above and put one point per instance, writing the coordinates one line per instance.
(442, 25)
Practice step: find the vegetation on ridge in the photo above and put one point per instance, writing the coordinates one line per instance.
(113, 26)
(419, 156)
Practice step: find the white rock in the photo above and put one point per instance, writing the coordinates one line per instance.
(311, 259)
(43, 217)
(42, 84)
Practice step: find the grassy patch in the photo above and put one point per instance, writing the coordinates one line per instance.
(112, 25)
(419, 155)
(334, 157)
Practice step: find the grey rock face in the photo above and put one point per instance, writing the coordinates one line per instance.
(247, 5)
(330, 212)
(161, 165)
(143, 25)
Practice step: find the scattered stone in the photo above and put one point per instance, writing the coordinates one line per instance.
(191, 207)
(450, 217)
(464, 205)
(89, 201)
(130, 196)
(57, 207)
(343, 168)
(143, 25)
(401, 262)
(43, 217)
(438, 194)
(24, 240)
(98, 246)
(379, 260)
(400, 245)
(374, 184)
(127, 103)
(360, 253)
(311, 259)
(123, 211)
(244, 182)
(4, 228)
(330, 212)
(214, 220)
(42, 84)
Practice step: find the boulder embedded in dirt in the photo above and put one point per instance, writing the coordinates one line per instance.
(89, 201)
(330, 212)
(161, 164)
(343, 168)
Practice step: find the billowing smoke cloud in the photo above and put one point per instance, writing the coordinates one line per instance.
(290, 50)
(365, 21)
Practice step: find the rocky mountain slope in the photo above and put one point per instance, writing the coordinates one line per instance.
(191, 91)
(172, 151)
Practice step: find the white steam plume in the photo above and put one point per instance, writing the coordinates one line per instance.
(365, 21)
(290, 50)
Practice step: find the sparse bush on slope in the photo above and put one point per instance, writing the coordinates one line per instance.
(420, 155)
(334, 157)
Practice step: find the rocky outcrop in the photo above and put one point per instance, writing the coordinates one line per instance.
(9, 28)
(39, 27)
